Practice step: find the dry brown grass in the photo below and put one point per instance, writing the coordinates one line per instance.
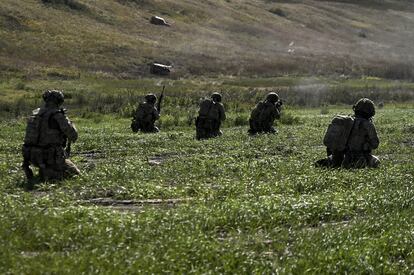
(235, 37)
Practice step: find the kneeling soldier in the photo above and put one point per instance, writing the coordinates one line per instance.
(47, 133)
(145, 115)
(264, 114)
(210, 116)
(350, 140)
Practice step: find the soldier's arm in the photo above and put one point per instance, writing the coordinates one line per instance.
(276, 112)
(66, 126)
(222, 112)
(135, 113)
(373, 139)
(139, 112)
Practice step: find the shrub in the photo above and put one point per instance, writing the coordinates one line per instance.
(324, 110)
(167, 121)
(362, 34)
(20, 86)
(278, 12)
(73, 4)
(289, 119)
(241, 120)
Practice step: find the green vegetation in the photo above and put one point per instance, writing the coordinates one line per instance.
(87, 94)
(242, 204)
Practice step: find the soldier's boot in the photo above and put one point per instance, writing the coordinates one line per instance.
(373, 161)
(216, 133)
(150, 129)
(253, 129)
(333, 161)
(322, 163)
(70, 169)
(200, 133)
(270, 130)
(49, 174)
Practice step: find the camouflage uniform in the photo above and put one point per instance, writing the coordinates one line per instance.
(52, 132)
(145, 116)
(264, 114)
(210, 116)
(362, 140)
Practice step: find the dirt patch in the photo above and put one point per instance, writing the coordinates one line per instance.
(30, 254)
(110, 201)
(39, 194)
(92, 154)
(135, 205)
(156, 160)
(335, 224)
(161, 158)
(408, 143)
(408, 129)
(90, 159)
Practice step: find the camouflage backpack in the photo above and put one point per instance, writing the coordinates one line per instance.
(32, 134)
(38, 130)
(144, 113)
(205, 107)
(257, 112)
(338, 132)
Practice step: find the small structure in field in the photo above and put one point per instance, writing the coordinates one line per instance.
(160, 69)
(156, 20)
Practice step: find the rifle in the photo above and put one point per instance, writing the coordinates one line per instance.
(160, 100)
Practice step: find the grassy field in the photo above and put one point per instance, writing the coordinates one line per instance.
(167, 203)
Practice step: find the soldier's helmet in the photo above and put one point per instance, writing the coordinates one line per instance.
(216, 97)
(272, 97)
(364, 108)
(53, 96)
(151, 98)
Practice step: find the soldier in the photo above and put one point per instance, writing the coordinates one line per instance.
(363, 137)
(210, 116)
(47, 132)
(350, 140)
(146, 115)
(264, 114)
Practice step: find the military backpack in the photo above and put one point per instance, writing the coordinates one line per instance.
(338, 132)
(144, 113)
(205, 108)
(32, 134)
(37, 123)
(257, 113)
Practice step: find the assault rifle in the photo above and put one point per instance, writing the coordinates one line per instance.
(160, 100)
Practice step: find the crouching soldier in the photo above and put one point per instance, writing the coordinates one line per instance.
(47, 133)
(145, 115)
(264, 114)
(210, 117)
(350, 140)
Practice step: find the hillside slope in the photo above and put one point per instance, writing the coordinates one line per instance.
(249, 37)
